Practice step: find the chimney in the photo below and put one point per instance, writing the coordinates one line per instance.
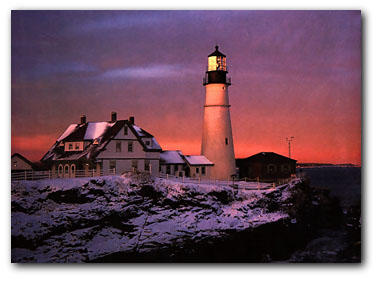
(132, 120)
(83, 119)
(113, 116)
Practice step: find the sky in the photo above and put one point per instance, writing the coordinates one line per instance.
(294, 73)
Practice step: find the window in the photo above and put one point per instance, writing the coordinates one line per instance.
(70, 146)
(176, 168)
(168, 169)
(271, 168)
(118, 147)
(148, 143)
(112, 164)
(60, 168)
(203, 170)
(285, 168)
(197, 170)
(146, 165)
(77, 146)
(226, 141)
(134, 165)
(66, 169)
(130, 146)
(72, 170)
(125, 130)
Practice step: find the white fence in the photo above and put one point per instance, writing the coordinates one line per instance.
(41, 175)
(244, 183)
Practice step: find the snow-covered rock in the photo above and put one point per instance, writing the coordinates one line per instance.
(116, 218)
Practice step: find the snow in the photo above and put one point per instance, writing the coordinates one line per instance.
(85, 219)
(138, 130)
(198, 160)
(172, 157)
(67, 132)
(155, 144)
(96, 129)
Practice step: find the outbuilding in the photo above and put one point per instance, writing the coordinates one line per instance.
(266, 166)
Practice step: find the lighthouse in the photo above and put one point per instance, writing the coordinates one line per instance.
(217, 137)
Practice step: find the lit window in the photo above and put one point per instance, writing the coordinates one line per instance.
(130, 146)
(118, 146)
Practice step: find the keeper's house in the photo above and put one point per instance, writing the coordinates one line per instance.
(98, 148)
(267, 166)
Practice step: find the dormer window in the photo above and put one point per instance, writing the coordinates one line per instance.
(148, 143)
(118, 147)
(73, 146)
(125, 130)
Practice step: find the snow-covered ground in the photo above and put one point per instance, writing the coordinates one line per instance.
(87, 219)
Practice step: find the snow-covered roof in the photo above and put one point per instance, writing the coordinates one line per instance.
(96, 129)
(154, 145)
(67, 132)
(171, 157)
(197, 160)
(102, 132)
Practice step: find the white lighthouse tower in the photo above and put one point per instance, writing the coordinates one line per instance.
(217, 137)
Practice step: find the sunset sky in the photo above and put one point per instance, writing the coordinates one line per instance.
(294, 73)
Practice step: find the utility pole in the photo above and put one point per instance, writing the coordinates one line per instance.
(289, 140)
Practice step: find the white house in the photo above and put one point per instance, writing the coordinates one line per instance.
(97, 148)
(173, 162)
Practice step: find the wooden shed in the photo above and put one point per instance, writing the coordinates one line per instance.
(266, 166)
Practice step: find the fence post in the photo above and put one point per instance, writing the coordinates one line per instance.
(273, 185)
(199, 180)
(49, 174)
(93, 172)
(183, 178)
(245, 179)
(167, 176)
(25, 175)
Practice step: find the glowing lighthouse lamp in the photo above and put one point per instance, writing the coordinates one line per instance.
(217, 137)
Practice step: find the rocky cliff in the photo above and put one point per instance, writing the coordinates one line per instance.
(135, 218)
